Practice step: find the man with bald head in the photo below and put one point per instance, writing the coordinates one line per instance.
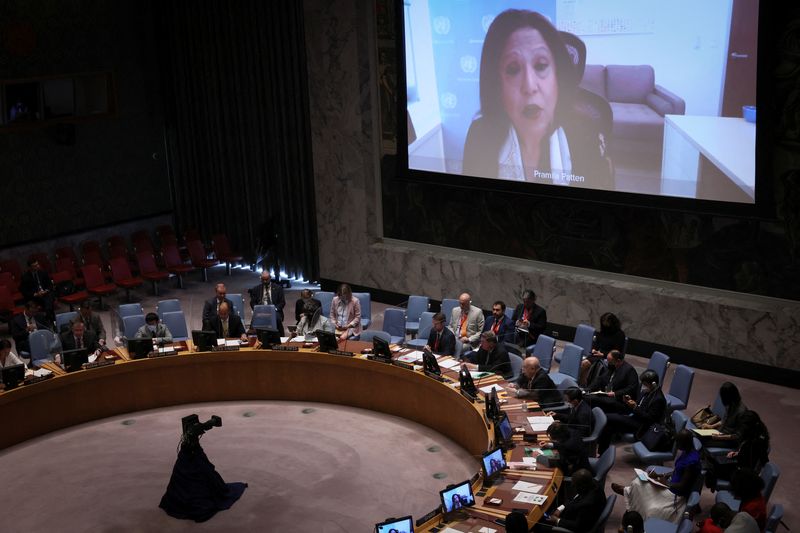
(535, 384)
(466, 322)
(211, 306)
(226, 324)
(269, 293)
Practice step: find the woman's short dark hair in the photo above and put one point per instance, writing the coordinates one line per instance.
(151, 317)
(609, 323)
(729, 395)
(498, 33)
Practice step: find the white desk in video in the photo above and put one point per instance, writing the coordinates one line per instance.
(728, 143)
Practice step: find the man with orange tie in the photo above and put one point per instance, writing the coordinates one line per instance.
(466, 321)
(441, 341)
(499, 324)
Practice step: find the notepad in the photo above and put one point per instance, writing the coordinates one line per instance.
(489, 388)
(527, 497)
(448, 363)
(527, 487)
(479, 375)
(410, 357)
(540, 423)
(706, 432)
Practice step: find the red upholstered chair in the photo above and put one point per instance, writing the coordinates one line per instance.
(44, 261)
(12, 265)
(65, 252)
(8, 309)
(141, 241)
(96, 283)
(192, 235)
(149, 270)
(66, 264)
(173, 262)
(197, 253)
(121, 274)
(222, 249)
(70, 299)
(7, 280)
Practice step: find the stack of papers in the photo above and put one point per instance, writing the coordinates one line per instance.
(529, 493)
(488, 388)
(232, 342)
(411, 357)
(642, 475)
(540, 423)
(449, 363)
(706, 432)
(42, 372)
(479, 375)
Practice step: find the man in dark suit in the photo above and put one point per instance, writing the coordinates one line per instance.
(639, 416)
(491, 356)
(441, 340)
(306, 296)
(268, 293)
(535, 383)
(579, 417)
(78, 338)
(499, 324)
(530, 318)
(211, 306)
(226, 324)
(92, 322)
(23, 324)
(612, 386)
(582, 511)
(36, 285)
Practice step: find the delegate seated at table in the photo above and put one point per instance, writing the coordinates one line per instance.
(226, 324)
(312, 320)
(78, 338)
(441, 341)
(154, 329)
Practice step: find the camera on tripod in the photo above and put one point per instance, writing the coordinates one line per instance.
(193, 429)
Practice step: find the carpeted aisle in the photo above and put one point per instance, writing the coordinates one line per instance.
(310, 467)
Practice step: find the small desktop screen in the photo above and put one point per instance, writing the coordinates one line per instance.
(396, 525)
(72, 360)
(139, 348)
(493, 463)
(454, 498)
(203, 340)
(381, 348)
(430, 363)
(269, 337)
(504, 429)
(327, 340)
(13, 375)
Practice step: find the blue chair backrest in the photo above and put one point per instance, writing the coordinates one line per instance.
(325, 298)
(566, 383)
(604, 464)
(131, 324)
(416, 306)
(681, 384)
(599, 421)
(365, 299)
(168, 306)
(176, 323)
(516, 366)
(571, 361)
(685, 526)
(544, 351)
(394, 322)
(369, 334)
(658, 363)
(42, 342)
(769, 475)
(600, 526)
(448, 304)
(584, 337)
(679, 420)
(509, 312)
(718, 408)
(238, 305)
(130, 310)
(63, 319)
(264, 316)
(425, 325)
(774, 518)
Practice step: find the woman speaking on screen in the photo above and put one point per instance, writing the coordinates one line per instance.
(535, 124)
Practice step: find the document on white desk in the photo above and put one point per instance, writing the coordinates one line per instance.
(540, 423)
(449, 363)
(527, 497)
(410, 357)
(524, 486)
(489, 388)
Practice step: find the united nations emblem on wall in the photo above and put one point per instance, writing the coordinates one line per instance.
(468, 64)
(486, 21)
(441, 25)
(449, 100)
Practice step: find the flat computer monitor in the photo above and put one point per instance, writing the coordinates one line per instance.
(203, 340)
(380, 349)
(139, 348)
(268, 337)
(466, 382)
(492, 405)
(72, 360)
(457, 497)
(13, 375)
(493, 465)
(396, 525)
(327, 340)
(430, 364)
(503, 432)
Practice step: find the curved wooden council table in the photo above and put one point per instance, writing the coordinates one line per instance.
(129, 386)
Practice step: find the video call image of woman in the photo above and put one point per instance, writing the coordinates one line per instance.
(533, 123)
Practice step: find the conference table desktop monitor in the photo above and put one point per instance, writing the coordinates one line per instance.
(140, 348)
(457, 497)
(503, 432)
(13, 375)
(396, 525)
(380, 349)
(493, 465)
(430, 364)
(327, 340)
(73, 360)
(268, 337)
(203, 340)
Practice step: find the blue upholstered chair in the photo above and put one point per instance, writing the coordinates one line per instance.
(370, 334)
(365, 299)
(176, 323)
(264, 317)
(394, 323)
(570, 366)
(659, 362)
(131, 324)
(448, 304)
(44, 343)
(599, 421)
(425, 325)
(63, 319)
(680, 388)
(238, 305)
(325, 298)
(516, 366)
(416, 306)
(543, 349)
(168, 306)
(658, 458)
